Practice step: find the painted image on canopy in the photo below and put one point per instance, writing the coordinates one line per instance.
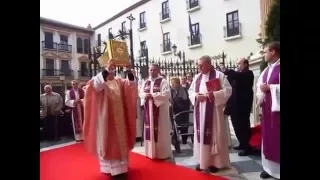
(118, 50)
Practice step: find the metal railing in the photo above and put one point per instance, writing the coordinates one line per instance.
(49, 45)
(65, 47)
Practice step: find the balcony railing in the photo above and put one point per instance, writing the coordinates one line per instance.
(65, 47)
(143, 52)
(192, 4)
(56, 72)
(142, 25)
(165, 47)
(165, 15)
(49, 45)
(83, 73)
(234, 31)
(67, 73)
(195, 39)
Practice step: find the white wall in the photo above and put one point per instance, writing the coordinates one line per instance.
(211, 17)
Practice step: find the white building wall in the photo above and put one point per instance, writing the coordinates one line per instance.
(211, 17)
(72, 40)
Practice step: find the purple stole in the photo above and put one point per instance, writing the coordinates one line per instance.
(271, 120)
(208, 114)
(77, 124)
(147, 89)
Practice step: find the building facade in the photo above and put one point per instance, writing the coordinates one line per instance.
(64, 52)
(196, 27)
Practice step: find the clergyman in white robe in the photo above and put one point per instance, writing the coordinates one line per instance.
(270, 166)
(157, 138)
(73, 99)
(215, 153)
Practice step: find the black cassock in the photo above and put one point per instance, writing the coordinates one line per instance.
(239, 104)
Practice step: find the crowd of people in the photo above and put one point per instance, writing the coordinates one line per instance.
(104, 113)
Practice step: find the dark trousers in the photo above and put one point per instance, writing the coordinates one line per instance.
(242, 129)
(50, 128)
(183, 119)
(65, 125)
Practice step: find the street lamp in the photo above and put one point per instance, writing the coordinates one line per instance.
(93, 57)
(123, 34)
(174, 48)
(181, 57)
(131, 18)
(62, 79)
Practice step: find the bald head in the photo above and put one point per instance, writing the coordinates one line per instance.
(204, 64)
(47, 89)
(243, 64)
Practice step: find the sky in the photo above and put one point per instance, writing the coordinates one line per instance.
(82, 12)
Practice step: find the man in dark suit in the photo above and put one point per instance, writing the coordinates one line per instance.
(240, 104)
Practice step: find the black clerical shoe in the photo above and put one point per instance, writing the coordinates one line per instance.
(238, 148)
(246, 152)
(264, 175)
(198, 168)
(123, 176)
(212, 169)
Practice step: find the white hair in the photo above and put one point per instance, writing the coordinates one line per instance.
(47, 86)
(206, 58)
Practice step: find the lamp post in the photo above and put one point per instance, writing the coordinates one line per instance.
(174, 48)
(123, 34)
(93, 57)
(131, 18)
(62, 79)
(181, 57)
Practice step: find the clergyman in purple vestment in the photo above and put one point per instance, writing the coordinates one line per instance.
(268, 95)
(74, 99)
(154, 94)
(211, 138)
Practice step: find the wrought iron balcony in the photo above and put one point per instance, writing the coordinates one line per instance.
(165, 47)
(192, 4)
(83, 73)
(67, 73)
(195, 39)
(142, 25)
(234, 30)
(143, 52)
(165, 15)
(50, 72)
(56, 73)
(64, 47)
(47, 45)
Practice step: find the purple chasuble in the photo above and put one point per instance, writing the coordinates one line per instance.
(155, 89)
(207, 138)
(77, 121)
(271, 120)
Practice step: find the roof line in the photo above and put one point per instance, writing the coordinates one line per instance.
(135, 5)
(67, 25)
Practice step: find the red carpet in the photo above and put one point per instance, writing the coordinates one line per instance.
(255, 140)
(74, 163)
